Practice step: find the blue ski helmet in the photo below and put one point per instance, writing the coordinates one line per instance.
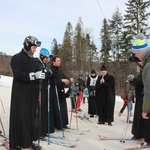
(45, 53)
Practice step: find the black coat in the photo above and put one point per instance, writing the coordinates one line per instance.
(23, 101)
(57, 86)
(138, 121)
(44, 99)
(81, 84)
(105, 98)
(92, 98)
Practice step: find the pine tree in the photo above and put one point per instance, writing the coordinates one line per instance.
(79, 46)
(106, 43)
(136, 17)
(116, 27)
(91, 53)
(126, 46)
(55, 47)
(66, 52)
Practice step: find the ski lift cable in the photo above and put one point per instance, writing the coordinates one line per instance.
(100, 8)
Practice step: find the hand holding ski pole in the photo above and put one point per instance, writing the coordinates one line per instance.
(145, 115)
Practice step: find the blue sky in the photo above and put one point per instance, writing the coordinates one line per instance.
(47, 19)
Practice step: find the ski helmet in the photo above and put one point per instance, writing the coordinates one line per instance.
(45, 53)
(31, 41)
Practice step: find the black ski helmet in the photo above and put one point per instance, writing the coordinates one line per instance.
(31, 41)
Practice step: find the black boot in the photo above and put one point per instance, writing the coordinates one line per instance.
(17, 148)
(91, 116)
(36, 147)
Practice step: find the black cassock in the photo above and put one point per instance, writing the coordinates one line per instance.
(56, 82)
(44, 100)
(23, 101)
(92, 97)
(105, 98)
(138, 121)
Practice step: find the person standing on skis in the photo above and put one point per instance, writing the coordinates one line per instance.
(138, 121)
(57, 95)
(44, 57)
(23, 96)
(141, 49)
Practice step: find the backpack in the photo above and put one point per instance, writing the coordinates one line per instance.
(123, 94)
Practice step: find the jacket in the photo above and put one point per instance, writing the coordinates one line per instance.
(146, 81)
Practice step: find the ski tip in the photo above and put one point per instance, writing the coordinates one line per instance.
(73, 145)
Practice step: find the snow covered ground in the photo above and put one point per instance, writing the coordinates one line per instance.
(89, 140)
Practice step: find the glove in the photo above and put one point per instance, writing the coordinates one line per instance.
(40, 75)
(37, 75)
(130, 77)
(32, 76)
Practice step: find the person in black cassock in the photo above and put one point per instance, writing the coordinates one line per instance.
(91, 85)
(138, 121)
(42, 61)
(105, 97)
(24, 96)
(58, 83)
(141, 49)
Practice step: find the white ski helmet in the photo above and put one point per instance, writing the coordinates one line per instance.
(31, 41)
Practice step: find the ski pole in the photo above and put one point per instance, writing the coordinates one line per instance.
(71, 99)
(126, 124)
(38, 114)
(48, 112)
(5, 142)
(72, 109)
(59, 109)
(76, 112)
(39, 102)
(73, 104)
(2, 105)
(77, 118)
(3, 128)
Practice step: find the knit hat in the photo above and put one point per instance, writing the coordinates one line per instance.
(140, 44)
(103, 68)
(93, 71)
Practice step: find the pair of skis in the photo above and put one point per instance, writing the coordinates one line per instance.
(141, 146)
(78, 132)
(64, 138)
(62, 143)
(113, 138)
(58, 142)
